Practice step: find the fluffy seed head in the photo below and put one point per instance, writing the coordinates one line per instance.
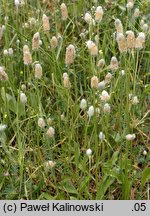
(88, 18)
(122, 43)
(10, 51)
(65, 75)
(70, 54)
(23, 98)
(135, 100)
(101, 63)
(66, 82)
(136, 12)
(108, 78)
(50, 164)
(5, 52)
(26, 48)
(114, 64)
(27, 58)
(106, 108)
(118, 26)
(83, 104)
(145, 27)
(122, 72)
(94, 82)
(101, 85)
(90, 112)
(2, 127)
(3, 74)
(130, 137)
(92, 48)
(142, 37)
(17, 3)
(46, 25)
(88, 152)
(54, 42)
(64, 12)
(101, 136)
(144, 152)
(105, 96)
(38, 71)
(41, 123)
(130, 5)
(99, 14)
(50, 132)
(130, 39)
(35, 41)
(140, 40)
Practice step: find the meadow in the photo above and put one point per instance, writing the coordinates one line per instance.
(75, 99)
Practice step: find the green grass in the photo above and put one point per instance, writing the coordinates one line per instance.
(117, 168)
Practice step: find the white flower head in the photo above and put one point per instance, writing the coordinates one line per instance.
(144, 152)
(70, 54)
(2, 127)
(145, 27)
(17, 3)
(83, 104)
(142, 36)
(65, 75)
(92, 47)
(136, 12)
(5, 52)
(38, 71)
(88, 18)
(50, 132)
(88, 152)
(108, 78)
(101, 63)
(99, 14)
(89, 44)
(130, 137)
(41, 123)
(50, 164)
(106, 108)
(105, 96)
(90, 112)
(135, 100)
(130, 5)
(122, 72)
(10, 51)
(101, 85)
(23, 98)
(101, 136)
